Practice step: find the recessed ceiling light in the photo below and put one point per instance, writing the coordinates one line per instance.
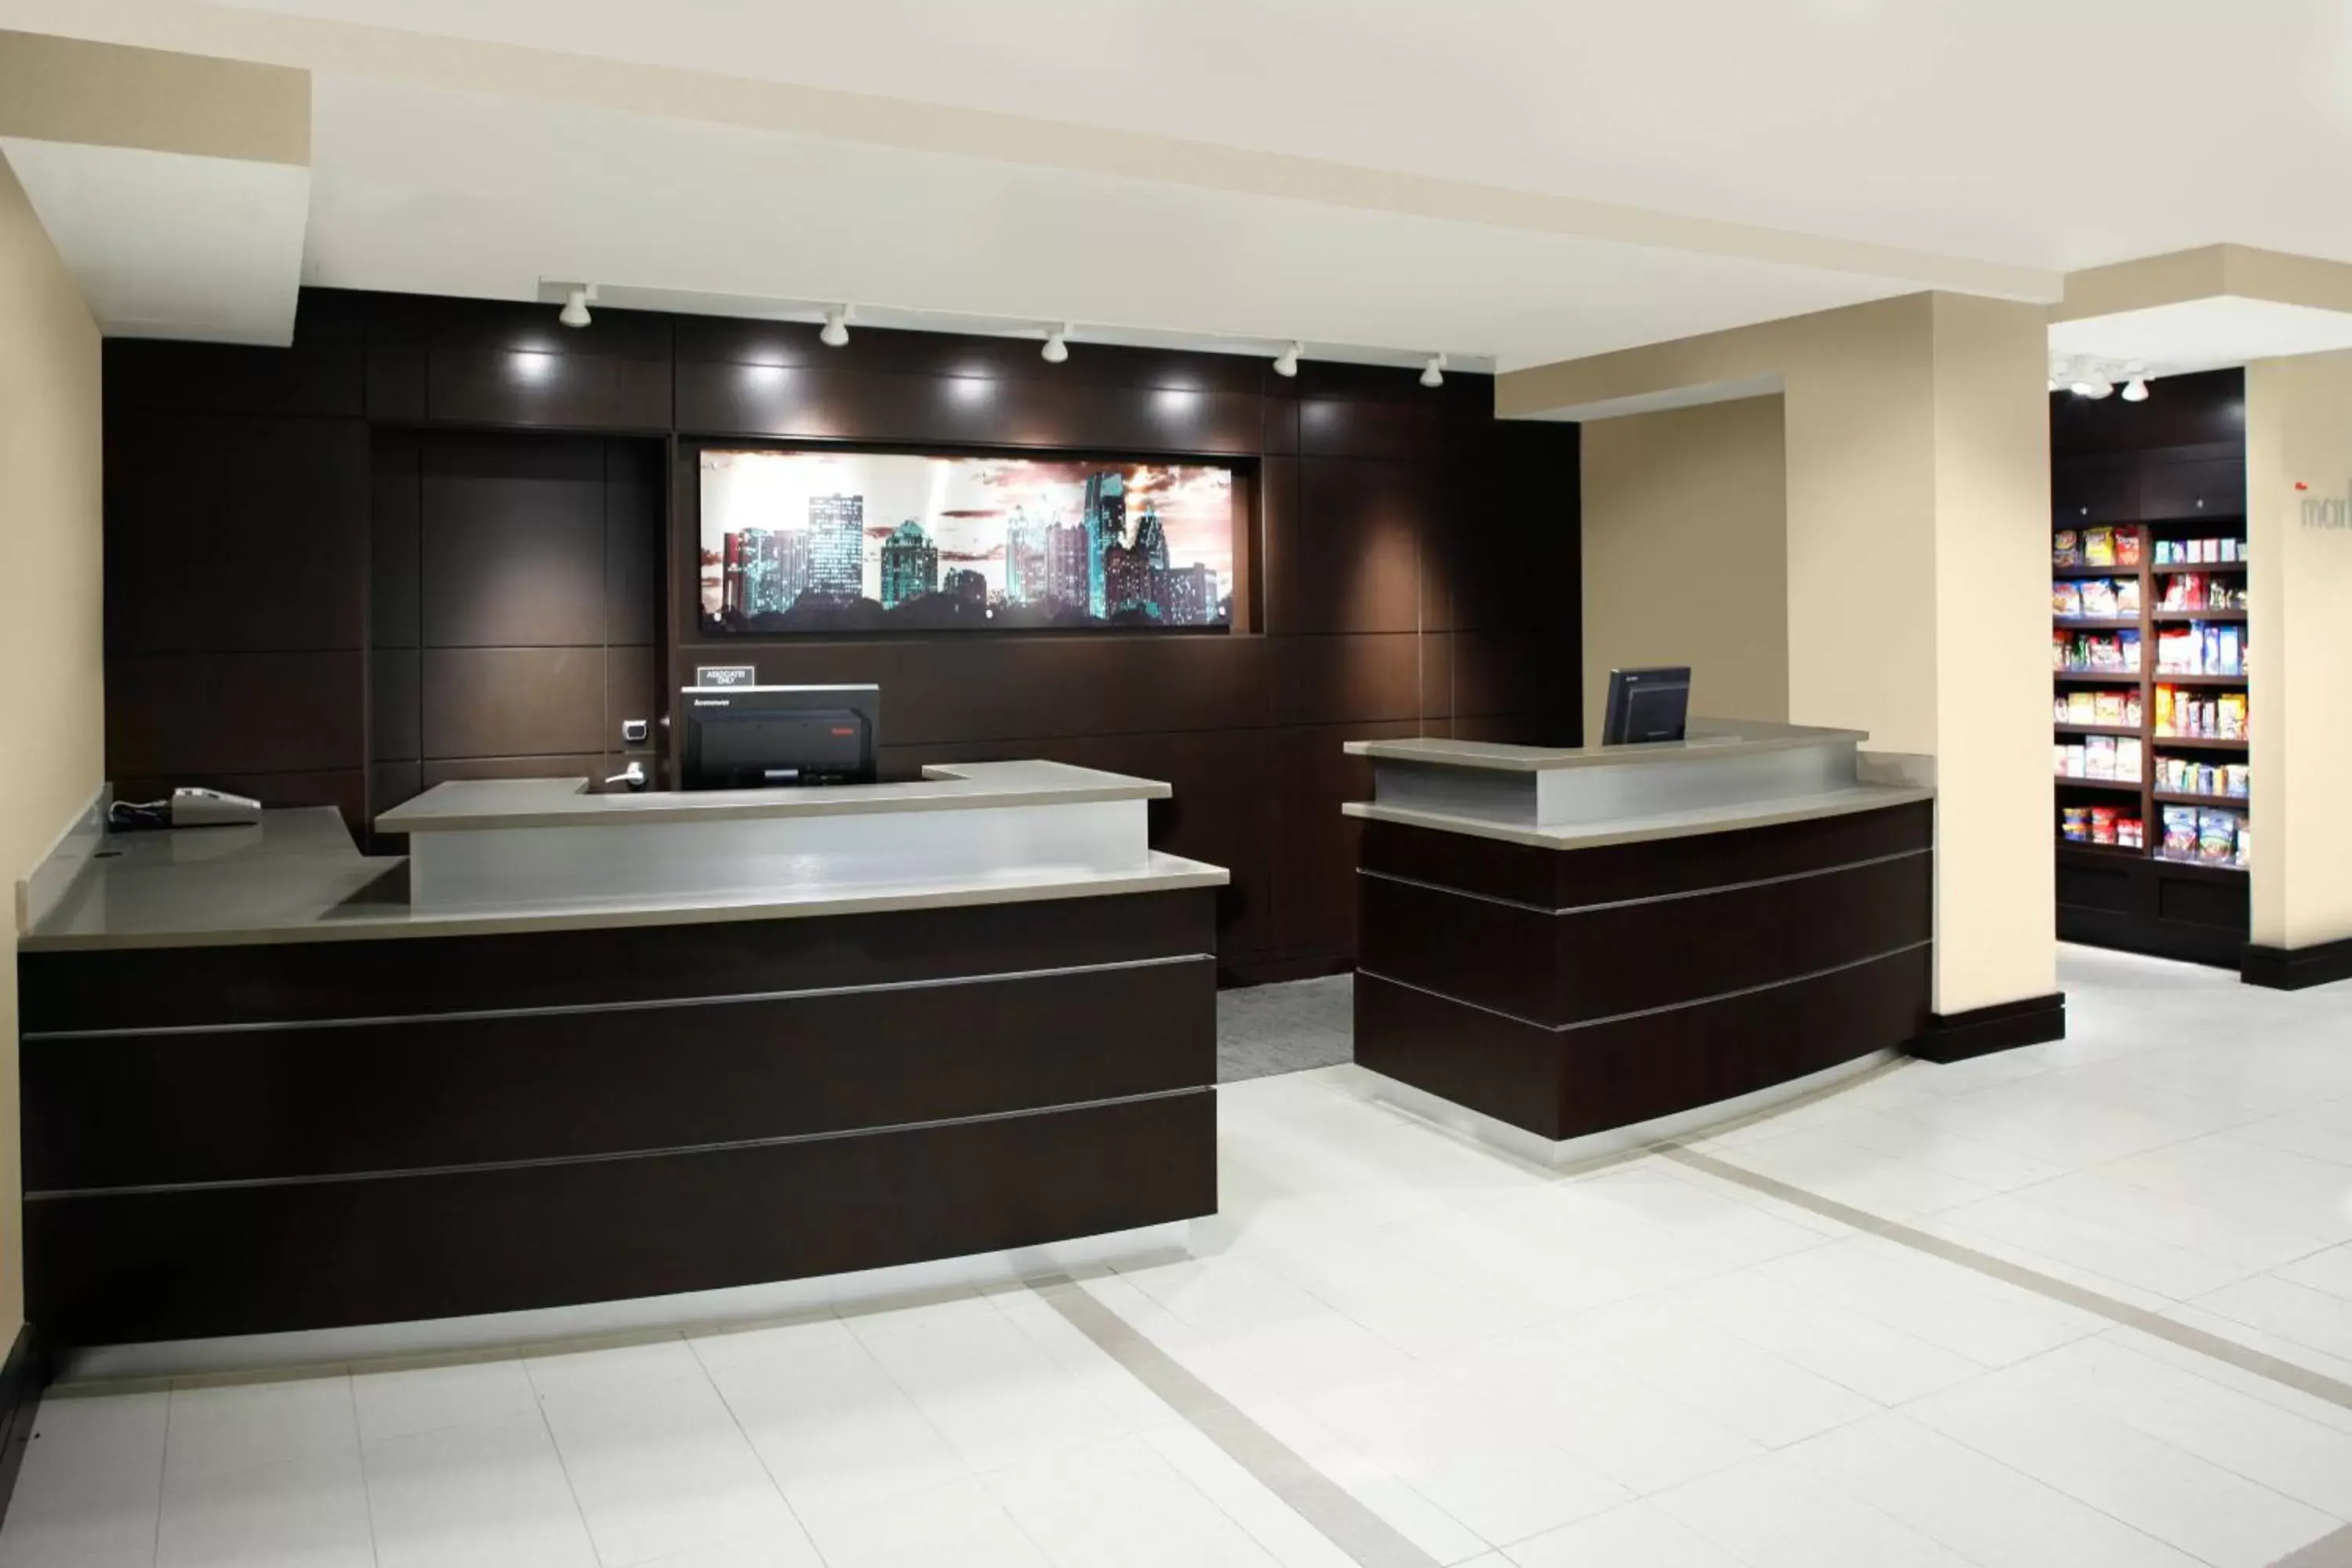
(837, 328)
(1057, 345)
(1433, 372)
(1286, 362)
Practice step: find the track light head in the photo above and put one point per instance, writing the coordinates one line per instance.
(575, 305)
(2136, 383)
(1433, 372)
(1057, 345)
(836, 333)
(1286, 363)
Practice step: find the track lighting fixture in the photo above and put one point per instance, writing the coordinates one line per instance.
(1433, 372)
(2090, 384)
(1057, 345)
(1286, 363)
(837, 328)
(575, 305)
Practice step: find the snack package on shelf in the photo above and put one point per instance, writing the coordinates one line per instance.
(2077, 762)
(2098, 600)
(2127, 758)
(2082, 707)
(2131, 833)
(2237, 779)
(2066, 599)
(2245, 855)
(2099, 757)
(2132, 712)
(2165, 696)
(2217, 836)
(2107, 649)
(2103, 825)
(2058, 758)
(2098, 547)
(2107, 707)
(2075, 824)
(2131, 547)
(2230, 716)
(2127, 645)
(2232, 651)
(2175, 651)
(2127, 596)
(2181, 832)
(2066, 548)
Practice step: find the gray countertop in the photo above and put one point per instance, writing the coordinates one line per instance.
(296, 877)
(1708, 739)
(1662, 824)
(477, 805)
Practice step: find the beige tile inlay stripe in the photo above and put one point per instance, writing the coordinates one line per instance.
(2275, 1368)
(2332, 1551)
(1315, 1497)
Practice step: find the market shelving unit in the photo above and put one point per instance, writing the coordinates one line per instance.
(2148, 899)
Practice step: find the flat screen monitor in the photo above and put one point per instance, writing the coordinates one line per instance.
(780, 737)
(1646, 705)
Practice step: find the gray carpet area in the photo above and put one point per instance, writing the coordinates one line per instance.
(1267, 1029)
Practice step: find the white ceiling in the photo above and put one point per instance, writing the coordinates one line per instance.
(430, 190)
(2029, 136)
(2202, 334)
(168, 245)
(2061, 135)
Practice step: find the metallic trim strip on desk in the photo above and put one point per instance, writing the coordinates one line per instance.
(566, 1009)
(328, 1178)
(1647, 899)
(1665, 1007)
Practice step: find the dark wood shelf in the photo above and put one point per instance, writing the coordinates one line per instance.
(2076, 573)
(2102, 623)
(2113, 786)
(2191, 797)
(2164, 679)
(2175, 862)
(2104, 851)
(2199, 742)
(2169, 567)
(2220, 617)
(2065, 728)
(2099, 677)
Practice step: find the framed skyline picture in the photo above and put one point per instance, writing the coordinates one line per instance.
(830, 542)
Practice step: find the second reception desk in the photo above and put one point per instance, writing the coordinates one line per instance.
(1576, 942)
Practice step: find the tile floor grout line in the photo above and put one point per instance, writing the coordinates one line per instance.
(2277, 1369)
(1333, 1512)
(358, 1453)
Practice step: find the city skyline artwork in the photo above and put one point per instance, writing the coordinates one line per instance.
(830, 542)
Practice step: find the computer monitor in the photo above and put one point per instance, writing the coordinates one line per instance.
(1646, 705)
(776, 737)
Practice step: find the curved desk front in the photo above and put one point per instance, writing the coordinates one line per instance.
(1569, 944)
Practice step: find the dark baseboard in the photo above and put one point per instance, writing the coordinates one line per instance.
(1956, 1036)
(22, 1379)
(2297, 968)
(1238, 972)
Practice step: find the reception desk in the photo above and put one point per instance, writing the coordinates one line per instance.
(1572, 948)
(580, 1048)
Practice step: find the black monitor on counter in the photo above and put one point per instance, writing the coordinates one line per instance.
(780, 737)
(1646, 705)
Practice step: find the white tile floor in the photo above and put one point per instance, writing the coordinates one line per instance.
(1644, 1364)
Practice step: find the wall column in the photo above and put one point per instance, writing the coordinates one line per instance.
(2299, 434)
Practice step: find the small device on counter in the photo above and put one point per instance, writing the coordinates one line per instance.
(188, 808)
(766, 737)
(1646, 705)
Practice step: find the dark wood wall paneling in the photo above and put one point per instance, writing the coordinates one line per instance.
(1416, 570)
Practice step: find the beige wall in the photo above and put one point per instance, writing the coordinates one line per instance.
(2299, 429)
(1685, 544)
(51, 686)
(1918, 466)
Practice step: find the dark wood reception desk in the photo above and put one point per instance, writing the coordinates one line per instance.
(1571, 944)
(269, 1087)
